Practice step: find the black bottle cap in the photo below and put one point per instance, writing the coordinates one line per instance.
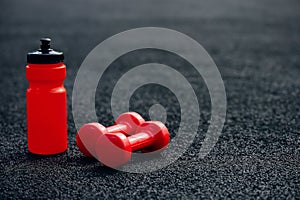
(45, 55)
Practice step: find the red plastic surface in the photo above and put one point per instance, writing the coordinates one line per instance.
(114, 149)
(127, 123)
(131, 120)
(159, 133)
(46, 108)
(87, 137)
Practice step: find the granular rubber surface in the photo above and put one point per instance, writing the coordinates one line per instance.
(256, 47)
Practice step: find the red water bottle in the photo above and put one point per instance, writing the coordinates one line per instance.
(46, 101)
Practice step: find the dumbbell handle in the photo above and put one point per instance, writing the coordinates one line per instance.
(122, 128)
(140, 141)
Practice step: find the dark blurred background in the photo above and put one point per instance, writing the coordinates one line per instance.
(256, 47)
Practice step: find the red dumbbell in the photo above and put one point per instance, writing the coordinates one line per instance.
(115, 149)
(88, 134)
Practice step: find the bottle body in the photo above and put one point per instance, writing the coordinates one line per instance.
(46, 108)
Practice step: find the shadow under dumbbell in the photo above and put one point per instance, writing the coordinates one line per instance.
(86, 160)
(101, 169)
(141, 157)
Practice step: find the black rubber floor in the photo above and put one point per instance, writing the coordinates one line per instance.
(256, 46)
